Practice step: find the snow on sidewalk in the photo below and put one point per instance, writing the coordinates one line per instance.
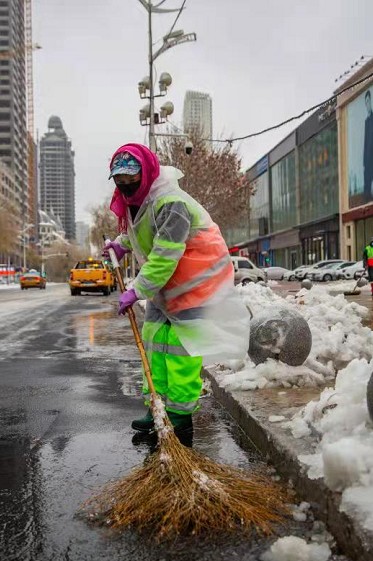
(342, 358)
(338, 337)
(344, 454)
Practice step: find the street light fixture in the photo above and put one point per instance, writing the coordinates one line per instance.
(165, 82)
(143, 86)
(170, 40)
(166, 110)
(184, 38)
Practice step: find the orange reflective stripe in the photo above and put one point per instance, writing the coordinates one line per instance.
(204, 263)
(202, 251)
(198, 295)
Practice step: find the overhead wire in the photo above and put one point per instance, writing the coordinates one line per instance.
(295, 117)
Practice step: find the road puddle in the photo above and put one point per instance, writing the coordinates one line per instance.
(103, 333)
(20, 499)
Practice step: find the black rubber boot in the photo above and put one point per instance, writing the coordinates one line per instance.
(145, 424)
(180, 422)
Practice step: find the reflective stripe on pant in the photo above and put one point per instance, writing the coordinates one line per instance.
(176, 374)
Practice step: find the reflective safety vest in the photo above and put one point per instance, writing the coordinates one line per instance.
(203, 267)
(369, 254)
(186, 270)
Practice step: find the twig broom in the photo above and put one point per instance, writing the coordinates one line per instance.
(179, 491)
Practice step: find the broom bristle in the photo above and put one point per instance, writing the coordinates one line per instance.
(180, 492)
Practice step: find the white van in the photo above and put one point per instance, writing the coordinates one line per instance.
(245, 271)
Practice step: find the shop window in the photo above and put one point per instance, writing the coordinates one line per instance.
(283, 193)
(318, 170)
(259, 205)
(364, 233)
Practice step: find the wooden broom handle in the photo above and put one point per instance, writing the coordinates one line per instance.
(133, 322)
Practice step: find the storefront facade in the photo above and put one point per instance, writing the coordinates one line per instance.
(355, 135)
(294, 200)
(318, 187)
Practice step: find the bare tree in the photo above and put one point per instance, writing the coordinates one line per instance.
(8, 228)
(60, 258)
(212, 175)
(104, 222)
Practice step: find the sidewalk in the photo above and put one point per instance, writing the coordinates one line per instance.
(256, 411)
(364, 298)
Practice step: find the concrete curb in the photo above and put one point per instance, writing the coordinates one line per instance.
(280, 448)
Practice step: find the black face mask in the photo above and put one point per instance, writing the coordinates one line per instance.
(130, 189)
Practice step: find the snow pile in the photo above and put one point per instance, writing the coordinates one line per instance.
(336, 325)
(338, 337)
(4, 286)
(344, 455)
(292, 548)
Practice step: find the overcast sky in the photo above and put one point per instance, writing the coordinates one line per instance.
(260, 60)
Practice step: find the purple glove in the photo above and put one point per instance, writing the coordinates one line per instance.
(126, 299)
(120, 251)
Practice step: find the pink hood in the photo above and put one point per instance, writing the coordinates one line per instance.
(150, 171)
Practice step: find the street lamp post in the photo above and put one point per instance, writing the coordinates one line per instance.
(23, 238)
(152, 144)
(170, 40)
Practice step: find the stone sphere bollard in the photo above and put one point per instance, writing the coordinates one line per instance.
(370, 396)
(280, 333)
(307, 284)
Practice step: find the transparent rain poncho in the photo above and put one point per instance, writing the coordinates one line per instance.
(186, 272)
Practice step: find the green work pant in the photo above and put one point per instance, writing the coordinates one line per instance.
(176, 375)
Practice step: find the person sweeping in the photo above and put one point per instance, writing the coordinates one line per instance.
(193, 313)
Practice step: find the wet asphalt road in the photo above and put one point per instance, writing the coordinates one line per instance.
(69, 386)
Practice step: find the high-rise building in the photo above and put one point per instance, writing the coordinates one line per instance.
(198, 113)
(13, 125)
(57, 175)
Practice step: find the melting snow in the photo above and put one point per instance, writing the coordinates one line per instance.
(292, 548)
(344, 455)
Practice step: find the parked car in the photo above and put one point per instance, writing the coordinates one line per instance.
(329, 272)
(303, 272)
(32, 279)
(245, 271)
(297, 272)
(354, 271)
(275, 273)
(289, 276)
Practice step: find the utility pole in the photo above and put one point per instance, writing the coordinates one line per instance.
(170, 40)
(152, 144)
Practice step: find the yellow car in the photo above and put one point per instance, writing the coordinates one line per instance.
(32, 279)
(91, 275)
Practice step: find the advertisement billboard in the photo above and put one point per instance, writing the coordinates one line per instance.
(360, 149)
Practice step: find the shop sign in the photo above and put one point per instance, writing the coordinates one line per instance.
(360, 149)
